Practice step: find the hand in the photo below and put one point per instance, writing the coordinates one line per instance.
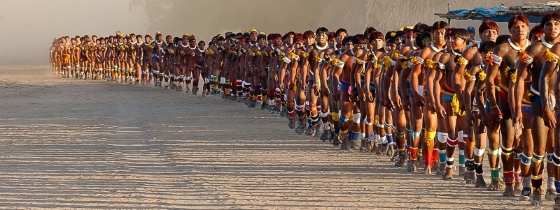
(549, 118)
(418, 100)
(470, 116)
(370, 97)
(398, 102)
(390, 105)
(316, 89)
(463, 106)
(492, 59)
(495, 117)
(430, 105)
(336, 94)
(387, 103)
(518, 129)
(441, 111)
(326, 91)
(354, 93)
(525, 59)
(517, 117)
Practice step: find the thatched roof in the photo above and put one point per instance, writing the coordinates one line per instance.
(502, 13)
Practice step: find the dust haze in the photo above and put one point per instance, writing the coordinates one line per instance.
(29, 26)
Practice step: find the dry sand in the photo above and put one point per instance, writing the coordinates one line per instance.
(89, 144)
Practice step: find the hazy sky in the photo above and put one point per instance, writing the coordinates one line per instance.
(29, 26)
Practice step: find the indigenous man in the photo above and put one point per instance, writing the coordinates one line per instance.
(528, 112)
(488, 32)
(501, 80)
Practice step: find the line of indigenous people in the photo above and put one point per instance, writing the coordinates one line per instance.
(423, 95)
(173, 62)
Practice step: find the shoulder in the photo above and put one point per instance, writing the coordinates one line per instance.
(425, 52)
(535, 48)
(502, 49)
(556, 48)
(470, 53)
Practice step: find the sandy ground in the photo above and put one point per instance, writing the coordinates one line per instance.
(88, 144)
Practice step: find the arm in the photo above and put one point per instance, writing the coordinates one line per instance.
(384, 83)
(367, 80)
(394, 90)
(357, 79)
(293, 73)
(416, 71)
(545, 76)
(317, 71)
(338, 71)
(519, 89)
(282, 75)
(432, 72)
(494, 66)
(443, 59)
(470, 79)
(459, 73)
(324, 75)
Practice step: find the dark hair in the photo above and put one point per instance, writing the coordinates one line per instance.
(550, 17)
(322, 30)
(538, 29)
(488, 25)
(502, 39)
(332, 35)
(439, 25)
(341, 30)
(462, 33)
(420, 28)
(348, 39)
(376, 35)
(518, 18)
(369, 30)
(360, 39)
(487, 46)
(391, 36)
(308, 34)
(423, 40)
(275, 36)
(298, 38)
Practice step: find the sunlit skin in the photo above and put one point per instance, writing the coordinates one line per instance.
(310, 41)
(316, 71)
(503, 100)
(340, 37)
(296, 73)
(536, 136)
(463, 86)
(489, 35)
(418, 98)
(382, 79)
(372, 80)
(253, 37)
(148, 65)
